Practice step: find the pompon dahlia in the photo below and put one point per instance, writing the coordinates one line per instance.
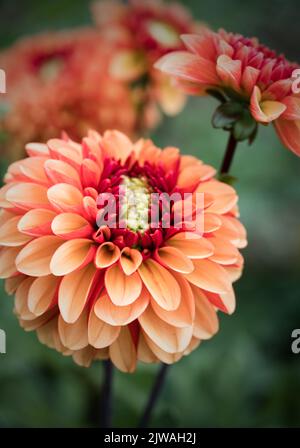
(252, 81)
(146, 31)
(145, 290)
(60, 81)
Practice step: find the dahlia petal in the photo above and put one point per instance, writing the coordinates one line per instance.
(71, 226)
(29, 170)
(211, 223)
(224, 302)
(10, 235)
(65, 198)
(27, 196)
(144, 353)
(249, 79)
(120, 315)
(279, 90)
(12, 284)
(189, 67)
(169, 338)
(233, 231)
(161, 284)
(74, 291)
(60, 172)
(195, 342)
(122, 289)
(184, 315)
(209, 276)
(39, 322)
(65, 151)
(191, 245)
(106, 255)
(289, 133)
(174, 259)
(162, 355)
(229, 71)
(34, 259)
(292, 111)
(21, 300)
(74, 336)
(171, 99)
(8, 266)
(224, 196)
(90, 173)
(42, 294)
(224, 252)
(206, 322)
(72, 255)
(85, 357)
(117, 145)
(201, 44)
(101, 334)
(190, 177)
(37, 149)
(265, 111)
(123, 352)
(130, 260)
(37, 222)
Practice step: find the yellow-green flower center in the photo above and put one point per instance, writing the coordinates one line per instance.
(135, 203)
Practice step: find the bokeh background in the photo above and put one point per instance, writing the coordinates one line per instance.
(247, 376)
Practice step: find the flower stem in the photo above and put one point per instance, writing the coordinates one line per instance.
(106, 396)
(229, 154)
(154, 396)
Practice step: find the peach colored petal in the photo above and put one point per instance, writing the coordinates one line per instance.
(10, 235)
(122, 289)
(28, 195)
(160, 354)
(265, 111)
(107, 254)
(101, 334)
(130, 260)
(211, 222)
(249, 78)
(30, 169)
(169, 338)
(85, 357)
(184, 315)
(71, 225)
(206, 321)
(72, 255)
(224, 302)
(8, 266)
(224, 196)
(292, 111)
(289, 133)
(191, 245)
(21, 300)
(65, 198)
(189, 67)
(37, 149)
(74, 291)
(65, 151)
(74, 336)
(37, 222)
(120, 315)
(201, 44)
(229, 71)
(174, 259)
(35, 258)
(224, 252)
(161, 284)
(12, 284)
(39, 322)
(42, 294)
(90, 173)
(117, 145)
(60, 172)
(123, 353)
(144, 353)
(209, 276)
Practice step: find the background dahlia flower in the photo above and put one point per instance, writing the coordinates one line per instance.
(253, 83)
(125, 294)
(60, 81)
(146, 31)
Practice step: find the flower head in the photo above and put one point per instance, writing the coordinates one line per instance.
(146, 31)
(93, 274)
(252, 81)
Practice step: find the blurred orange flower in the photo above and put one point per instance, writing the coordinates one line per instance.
(125, 293)
(241, 72)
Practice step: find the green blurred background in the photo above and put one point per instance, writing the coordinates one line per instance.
(247, 376)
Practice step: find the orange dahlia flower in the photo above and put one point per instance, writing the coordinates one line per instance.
(127, 293)
(254, 84)
(60, 81)
(146, 31)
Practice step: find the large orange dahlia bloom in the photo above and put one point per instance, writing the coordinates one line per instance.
(243, 72)
(126, 293)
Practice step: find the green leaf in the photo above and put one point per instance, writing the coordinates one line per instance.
(226, 115)
(245, 127)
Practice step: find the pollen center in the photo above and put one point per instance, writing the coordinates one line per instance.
(135, 203)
